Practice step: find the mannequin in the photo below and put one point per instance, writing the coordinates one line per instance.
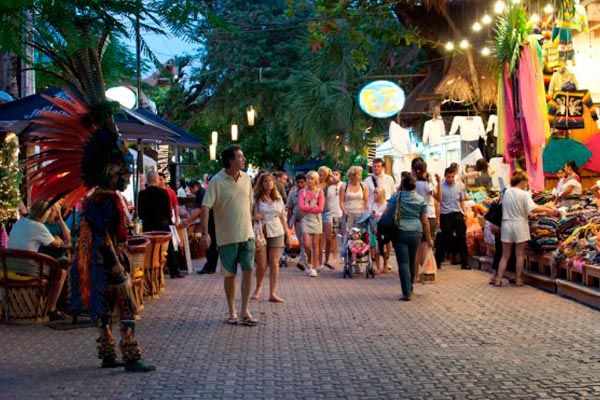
(561, 76)
(434, 129)
(399, 138)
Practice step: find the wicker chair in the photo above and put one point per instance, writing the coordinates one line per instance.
(159, 244)
(25, 297)
(138, 248)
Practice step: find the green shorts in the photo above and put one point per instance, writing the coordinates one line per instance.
(237, 253)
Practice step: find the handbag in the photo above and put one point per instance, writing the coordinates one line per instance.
(390, 220)
(259, 235)
(494, 214)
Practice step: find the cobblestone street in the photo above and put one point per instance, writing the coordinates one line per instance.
(333, 338)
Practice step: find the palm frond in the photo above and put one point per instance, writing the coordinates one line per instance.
(511, 32)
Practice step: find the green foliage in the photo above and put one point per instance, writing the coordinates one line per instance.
(511, 31)
(10, 178)
(74, 35)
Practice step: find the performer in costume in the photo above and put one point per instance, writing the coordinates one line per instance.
(85, 156)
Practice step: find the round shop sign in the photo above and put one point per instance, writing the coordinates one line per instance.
(381, 99)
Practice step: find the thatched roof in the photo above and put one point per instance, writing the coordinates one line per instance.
(457, 85)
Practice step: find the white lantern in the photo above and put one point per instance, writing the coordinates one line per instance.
(486, 20)
(215, 137)
(449, 46)
(464, 44)
(213, 152)
(251, 115)
(476, 27)
(499, 7)
(123, 95)
(234, 132)
(485, 51)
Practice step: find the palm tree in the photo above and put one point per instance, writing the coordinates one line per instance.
(73, 35)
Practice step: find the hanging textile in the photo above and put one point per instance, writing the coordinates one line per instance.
(561, 149)
(533, 121)
(593, 144)
(562, 33)
(567, 108)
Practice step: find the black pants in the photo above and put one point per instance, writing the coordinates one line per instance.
(452, 224)
(212, 253)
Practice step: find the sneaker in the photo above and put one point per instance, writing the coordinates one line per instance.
(313, 273)
(309, 269)
(320, 269)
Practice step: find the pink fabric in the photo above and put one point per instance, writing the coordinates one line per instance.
(532, 119)
(509, 117)
(311, 203)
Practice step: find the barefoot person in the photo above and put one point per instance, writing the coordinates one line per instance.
(229, 195)
(270, 212)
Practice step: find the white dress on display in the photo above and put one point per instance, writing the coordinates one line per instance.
(433, 131)
(471, 128)
(399, 138)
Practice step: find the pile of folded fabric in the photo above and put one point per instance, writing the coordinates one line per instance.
(544, 233)
(581, 247)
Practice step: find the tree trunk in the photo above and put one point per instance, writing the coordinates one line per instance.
(8, 74)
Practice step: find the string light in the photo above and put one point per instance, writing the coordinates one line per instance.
(464, 44)
(449, 46)
(476, 26)
(548, 9)
(534, 19)
(486, 20)
(499, 7)
(485, 51)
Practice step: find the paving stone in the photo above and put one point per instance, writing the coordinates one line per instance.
(333, 338)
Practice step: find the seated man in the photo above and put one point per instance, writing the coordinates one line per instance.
(30, 233)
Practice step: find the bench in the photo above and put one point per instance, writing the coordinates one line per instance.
(25, 297)
(592, 276)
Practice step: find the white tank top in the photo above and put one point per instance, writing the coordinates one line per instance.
(354, 200)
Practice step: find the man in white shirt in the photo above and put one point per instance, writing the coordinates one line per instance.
(379, 179)
(29, 234)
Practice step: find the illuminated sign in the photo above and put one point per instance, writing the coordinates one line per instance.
(381, 99)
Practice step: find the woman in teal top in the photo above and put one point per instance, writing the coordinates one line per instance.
(413, 225)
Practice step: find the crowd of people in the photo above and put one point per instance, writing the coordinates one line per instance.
(249, 224)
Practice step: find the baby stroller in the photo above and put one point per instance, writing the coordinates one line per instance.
(363, 257)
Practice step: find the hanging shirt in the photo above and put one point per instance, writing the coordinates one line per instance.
(559, 79)
(399, 138)
(566, 109)
(492, 125)
(433, 131)
(471, 128)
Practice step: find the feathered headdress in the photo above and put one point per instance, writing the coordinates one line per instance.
(76, 154)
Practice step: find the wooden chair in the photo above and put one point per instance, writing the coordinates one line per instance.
(159, 244)
(25, 297)
(138, 247)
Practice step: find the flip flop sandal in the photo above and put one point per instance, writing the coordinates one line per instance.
(249, 321)
(231, 321)
(328, 265)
